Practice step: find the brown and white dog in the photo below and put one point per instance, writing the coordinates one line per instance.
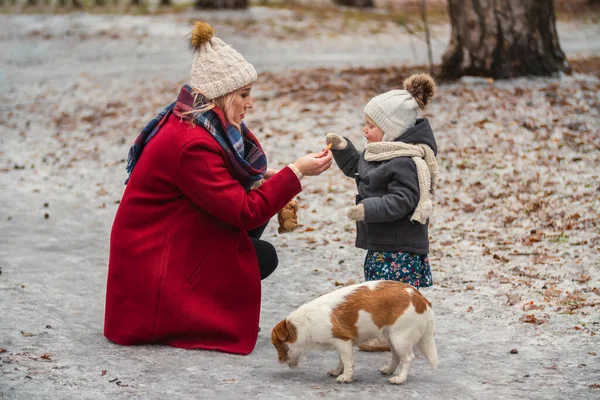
(393, 312)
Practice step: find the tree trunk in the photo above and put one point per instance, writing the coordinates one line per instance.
(218, 4)
(72, 3)
(503, 39)
(355, 3)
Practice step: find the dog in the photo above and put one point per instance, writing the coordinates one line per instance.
(390, 311)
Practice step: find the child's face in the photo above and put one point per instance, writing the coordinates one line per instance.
(372, 132)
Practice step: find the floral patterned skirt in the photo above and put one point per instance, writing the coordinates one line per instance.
(409, 268)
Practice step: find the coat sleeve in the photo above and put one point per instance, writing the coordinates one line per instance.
(347, 159)
(402, 196)
(203, 177)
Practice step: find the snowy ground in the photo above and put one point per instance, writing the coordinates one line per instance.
(515, 238)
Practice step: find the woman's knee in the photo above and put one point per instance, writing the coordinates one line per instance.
(267, 257)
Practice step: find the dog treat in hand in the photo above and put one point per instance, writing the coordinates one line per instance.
(328, 147)
(288, 217)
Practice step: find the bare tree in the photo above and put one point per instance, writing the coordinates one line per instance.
(71, 3)
(423, 7)
(202, 4)
(356, 3)
(503, 39)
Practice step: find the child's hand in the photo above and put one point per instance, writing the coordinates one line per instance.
(337, 142)
(356, 213)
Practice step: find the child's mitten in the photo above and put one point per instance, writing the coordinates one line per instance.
(357, 213)
(288, 217)
(337, 142)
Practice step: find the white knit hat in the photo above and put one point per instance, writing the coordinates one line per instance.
(218, 69)
(396, 111)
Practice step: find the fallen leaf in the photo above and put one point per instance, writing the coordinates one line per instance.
(512, 299)
(103, 372)
(26, 334)
(468, 208)
(531, 319)
(500, 258)
(470, 309)
(584, 278)
(535, 237)
(551, 367)
(46, 356)
(2, 350)
(531, 306)
(228, 380)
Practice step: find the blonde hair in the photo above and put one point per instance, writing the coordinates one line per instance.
(369, 119)
(223, 102)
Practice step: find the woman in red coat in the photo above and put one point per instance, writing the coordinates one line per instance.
(185, 259)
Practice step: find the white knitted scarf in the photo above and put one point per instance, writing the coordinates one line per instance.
(427, 170)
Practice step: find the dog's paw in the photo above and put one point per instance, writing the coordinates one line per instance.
(334, 372)
(386, 369)
(397, 380)
(344, 379)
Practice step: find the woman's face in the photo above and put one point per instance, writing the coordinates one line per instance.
(242, 102)
(372, 132)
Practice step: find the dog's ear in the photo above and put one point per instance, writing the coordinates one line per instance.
(292, 332)
(280, 330)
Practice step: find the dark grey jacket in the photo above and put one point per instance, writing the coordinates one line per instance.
(389, 191)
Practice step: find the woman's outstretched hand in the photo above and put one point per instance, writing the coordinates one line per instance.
(315, 163)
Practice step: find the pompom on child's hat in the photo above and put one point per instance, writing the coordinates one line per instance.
(217, 69)
(396, 111)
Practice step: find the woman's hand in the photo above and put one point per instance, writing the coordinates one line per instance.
(314, 164)
(270, 172)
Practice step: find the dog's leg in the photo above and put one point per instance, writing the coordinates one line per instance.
(391, 366)
(345, 348)
(404, 352)
(338, 370)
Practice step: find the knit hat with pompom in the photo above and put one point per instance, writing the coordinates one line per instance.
(218, 69)
(396, 111)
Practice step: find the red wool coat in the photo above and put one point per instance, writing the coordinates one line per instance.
(182, 269)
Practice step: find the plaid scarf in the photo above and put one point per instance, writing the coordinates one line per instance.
(242, 148)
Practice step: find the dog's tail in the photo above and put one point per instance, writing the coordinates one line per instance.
(427, 343)
(374, 345)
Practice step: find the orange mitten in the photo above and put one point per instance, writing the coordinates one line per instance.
(288, 217)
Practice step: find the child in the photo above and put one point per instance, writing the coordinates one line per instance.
(395, 176)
